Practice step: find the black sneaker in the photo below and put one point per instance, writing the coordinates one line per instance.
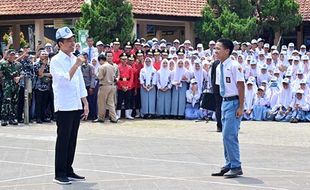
(4, 123)
(98, 121)
(62, 180)
(13, 122)
(75, 177)
(39, 121)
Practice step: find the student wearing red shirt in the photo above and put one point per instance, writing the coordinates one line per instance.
(157, 60)
(124, 86)
(138, 65)
(116, 51)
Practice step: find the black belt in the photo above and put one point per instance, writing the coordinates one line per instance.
(106, 84)
(122, 79)
(231, 98)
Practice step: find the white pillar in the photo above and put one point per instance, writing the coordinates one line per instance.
(39, 31)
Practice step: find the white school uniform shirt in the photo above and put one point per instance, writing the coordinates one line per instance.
(93, 54)
(163, 78)
(285, 98)
(296, 84)
(249, 98)
(261, 77)
(260, 101)
(304, 104)
(67, 92)
(272, 95)
(249, 72)
(217, 74)
(232, 75)
(191, 98)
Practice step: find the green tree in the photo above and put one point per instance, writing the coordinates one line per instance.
(107, 20)
(281, 16)
(227, 25)
(246, 19)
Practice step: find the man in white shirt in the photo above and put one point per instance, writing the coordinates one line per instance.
(232, 91)
(69, 89)
(91, 51)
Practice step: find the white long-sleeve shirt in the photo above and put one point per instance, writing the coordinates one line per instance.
(67, 92)
(302, 103)
(192, 98)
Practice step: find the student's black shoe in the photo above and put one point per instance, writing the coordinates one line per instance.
(20, 121)
(47, 120)
(219, 129)
(75, 177)
(13, 122)
(234, 173)
(221, 173)
(62, 180)
(39, 121)
(98, 121)
(113, 121)
(4, 123)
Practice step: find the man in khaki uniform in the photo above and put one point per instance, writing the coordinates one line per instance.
(106, 93)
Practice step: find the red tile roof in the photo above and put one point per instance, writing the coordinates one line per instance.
(304, 9)
(188, 8)
(30, 7)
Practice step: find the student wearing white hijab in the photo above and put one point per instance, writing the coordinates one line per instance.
(199, 74)
(180, 79)
(260, 105)
(249, 100)
(171, 65)
(192, 110)
(299, 107)
(148, 91)
(163, 105)
(284, 101)
(188, 65)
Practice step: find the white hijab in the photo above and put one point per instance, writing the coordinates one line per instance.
(179, 72)
(198, 75)
(164, 73)
(148, 71)
(285, 96)
(249, 97)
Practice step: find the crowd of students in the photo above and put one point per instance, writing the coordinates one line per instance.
(160, 79)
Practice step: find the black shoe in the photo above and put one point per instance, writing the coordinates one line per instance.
(113, 121)
(47, 120)
(20, 121)
(62, 180)
(234, 173)
(39, 121)
(75, 177)
(4, 123)
(222, 172)
(219, 129)
(98, 121)
(13, 122)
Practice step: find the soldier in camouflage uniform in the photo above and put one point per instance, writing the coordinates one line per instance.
(11, 76)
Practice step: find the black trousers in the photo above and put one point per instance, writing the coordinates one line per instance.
(218, 110)
(42, 98)
(137, 100)
(125, 97)
(68, 123)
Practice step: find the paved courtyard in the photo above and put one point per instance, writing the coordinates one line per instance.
(158, 154)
